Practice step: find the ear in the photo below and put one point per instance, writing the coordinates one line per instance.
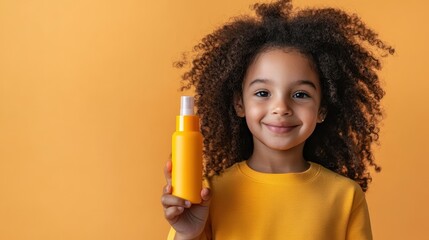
(322, 115)
(238, 105)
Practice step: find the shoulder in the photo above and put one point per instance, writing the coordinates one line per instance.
(230, 172)
(340, 184)
(226, 177)
(339, 179)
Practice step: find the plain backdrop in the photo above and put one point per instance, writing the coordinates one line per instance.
(88, 98)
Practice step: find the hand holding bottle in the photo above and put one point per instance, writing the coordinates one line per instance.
(188, 220)
(185, 201)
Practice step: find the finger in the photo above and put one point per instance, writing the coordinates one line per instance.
(167, 172)
(173, 212)
(166, 189)
(205, 196)
(169, 200)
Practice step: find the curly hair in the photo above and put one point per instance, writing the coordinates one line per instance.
(346, 55)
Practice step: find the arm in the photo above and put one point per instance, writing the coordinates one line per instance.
(204, 236)
(359, 225)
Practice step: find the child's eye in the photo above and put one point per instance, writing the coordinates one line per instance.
(262, 94)
(300, 95)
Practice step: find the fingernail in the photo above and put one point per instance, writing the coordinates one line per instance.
(180, 209)
(187, 203)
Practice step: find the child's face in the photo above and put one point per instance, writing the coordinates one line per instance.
(281, 99)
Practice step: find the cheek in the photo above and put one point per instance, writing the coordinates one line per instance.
(310, 114)
(254, 112)
(315, 115)
(254, 116)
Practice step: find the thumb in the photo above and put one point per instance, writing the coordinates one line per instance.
(206, 197)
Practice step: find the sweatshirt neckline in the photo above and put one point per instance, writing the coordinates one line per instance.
(280, 178)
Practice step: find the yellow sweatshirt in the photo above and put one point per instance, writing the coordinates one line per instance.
(315, 204)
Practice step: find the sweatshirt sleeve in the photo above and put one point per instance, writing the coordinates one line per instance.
(359, 225)
(172, 233)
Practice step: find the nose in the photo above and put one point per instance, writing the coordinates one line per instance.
(281, 107)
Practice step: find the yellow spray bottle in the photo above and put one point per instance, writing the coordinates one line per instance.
(187, 154)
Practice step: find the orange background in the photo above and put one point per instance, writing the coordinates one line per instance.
(88, 97)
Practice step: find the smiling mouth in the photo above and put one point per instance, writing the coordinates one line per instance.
(280, 129)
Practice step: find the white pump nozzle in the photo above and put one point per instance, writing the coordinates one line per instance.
(186, 105)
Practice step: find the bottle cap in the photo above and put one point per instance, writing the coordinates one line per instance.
(186, 105)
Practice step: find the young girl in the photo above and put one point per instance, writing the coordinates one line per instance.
(289, 104)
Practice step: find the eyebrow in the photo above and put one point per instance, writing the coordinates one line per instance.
(307, 82)
(258, 81)
(299, 82)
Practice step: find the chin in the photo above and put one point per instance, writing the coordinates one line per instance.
(285, 147)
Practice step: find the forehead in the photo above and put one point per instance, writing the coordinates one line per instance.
(281, 63)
